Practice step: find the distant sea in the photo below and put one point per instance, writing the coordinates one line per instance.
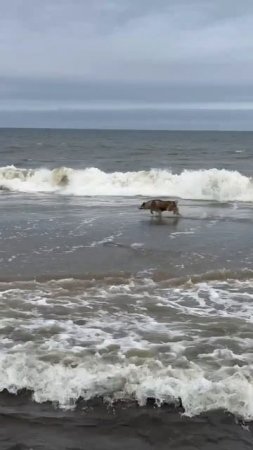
(120, 330)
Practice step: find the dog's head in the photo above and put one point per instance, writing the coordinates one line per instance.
(143, 205)
(174, 208)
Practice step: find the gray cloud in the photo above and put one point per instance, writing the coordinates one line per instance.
(109, 55)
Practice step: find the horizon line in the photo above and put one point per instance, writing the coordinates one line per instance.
(184, 130)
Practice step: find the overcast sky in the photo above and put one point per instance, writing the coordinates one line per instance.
(169, 64)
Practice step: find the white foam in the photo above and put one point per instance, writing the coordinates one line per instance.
(130, 340)
(105, 240)
(179, 233)
(137, 245)
(213, 184)
(60, 383)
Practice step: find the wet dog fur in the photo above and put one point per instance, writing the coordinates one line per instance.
(160, 206)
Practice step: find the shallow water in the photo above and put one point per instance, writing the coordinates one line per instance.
(113, 320)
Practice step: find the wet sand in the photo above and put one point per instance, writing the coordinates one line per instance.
(25, 425)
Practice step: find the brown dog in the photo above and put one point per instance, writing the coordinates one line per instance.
(161, 205)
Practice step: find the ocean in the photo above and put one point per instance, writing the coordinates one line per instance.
(120, 329)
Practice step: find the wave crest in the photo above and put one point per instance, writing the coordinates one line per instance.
(209, 184)
(64, 385)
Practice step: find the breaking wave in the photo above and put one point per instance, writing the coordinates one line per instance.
(133, 341)
(64, 385)
(212, 184)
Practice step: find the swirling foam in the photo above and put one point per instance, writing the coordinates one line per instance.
(130, 341)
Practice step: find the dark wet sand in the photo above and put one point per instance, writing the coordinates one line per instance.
(25, 425)
(140, 430)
